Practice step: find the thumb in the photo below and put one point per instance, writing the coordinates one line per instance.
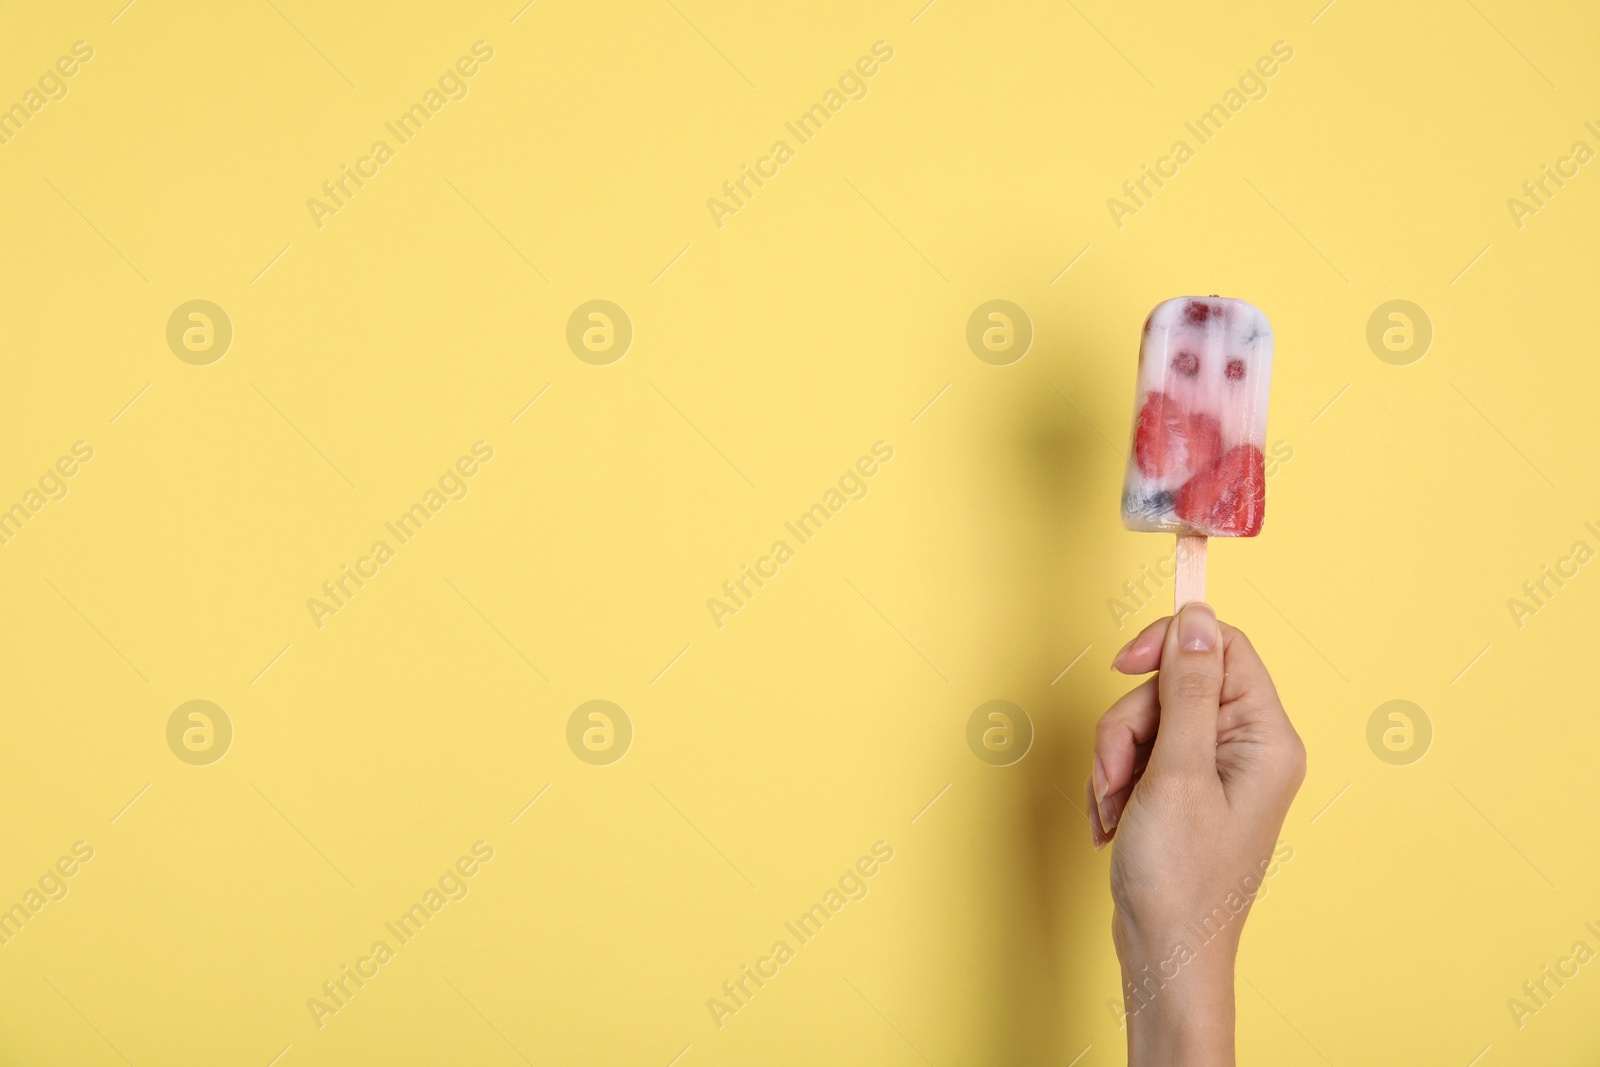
(1190, 684)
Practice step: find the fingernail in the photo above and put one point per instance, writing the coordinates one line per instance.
(1108, 815)
(1197, 628)
(1100, 785)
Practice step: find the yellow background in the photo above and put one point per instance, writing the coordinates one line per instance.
(768, 354)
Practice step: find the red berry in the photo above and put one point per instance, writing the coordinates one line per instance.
(1229, 499)
(1169, 440)
(1161, 422)
(1205, 441)
(1197, 312)
(1234, 370)
(1186, 364)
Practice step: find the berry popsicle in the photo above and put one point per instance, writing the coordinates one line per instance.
(1196, 467)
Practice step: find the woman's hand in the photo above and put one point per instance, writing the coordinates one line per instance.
(1193, 773)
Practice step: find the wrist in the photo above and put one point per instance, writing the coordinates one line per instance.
(1179, 1003)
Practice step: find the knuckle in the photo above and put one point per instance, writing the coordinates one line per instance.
(1194, 686)
(1296, 762)
(1105, 731)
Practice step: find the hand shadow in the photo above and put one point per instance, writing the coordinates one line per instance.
(1056, 913)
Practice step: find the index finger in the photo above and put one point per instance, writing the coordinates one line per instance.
(1143, 654)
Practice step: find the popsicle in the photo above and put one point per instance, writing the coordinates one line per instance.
(1196, 466)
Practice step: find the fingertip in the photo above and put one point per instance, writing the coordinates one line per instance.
(1144, 663)
(1143, 654)
(1111, 813)
(1198, 630)
(1097, 835)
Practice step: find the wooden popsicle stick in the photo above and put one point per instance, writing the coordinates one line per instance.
(1190, 585)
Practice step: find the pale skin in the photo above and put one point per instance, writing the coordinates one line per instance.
(1193, 773)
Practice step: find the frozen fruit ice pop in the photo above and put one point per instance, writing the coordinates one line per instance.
(1200, 420)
